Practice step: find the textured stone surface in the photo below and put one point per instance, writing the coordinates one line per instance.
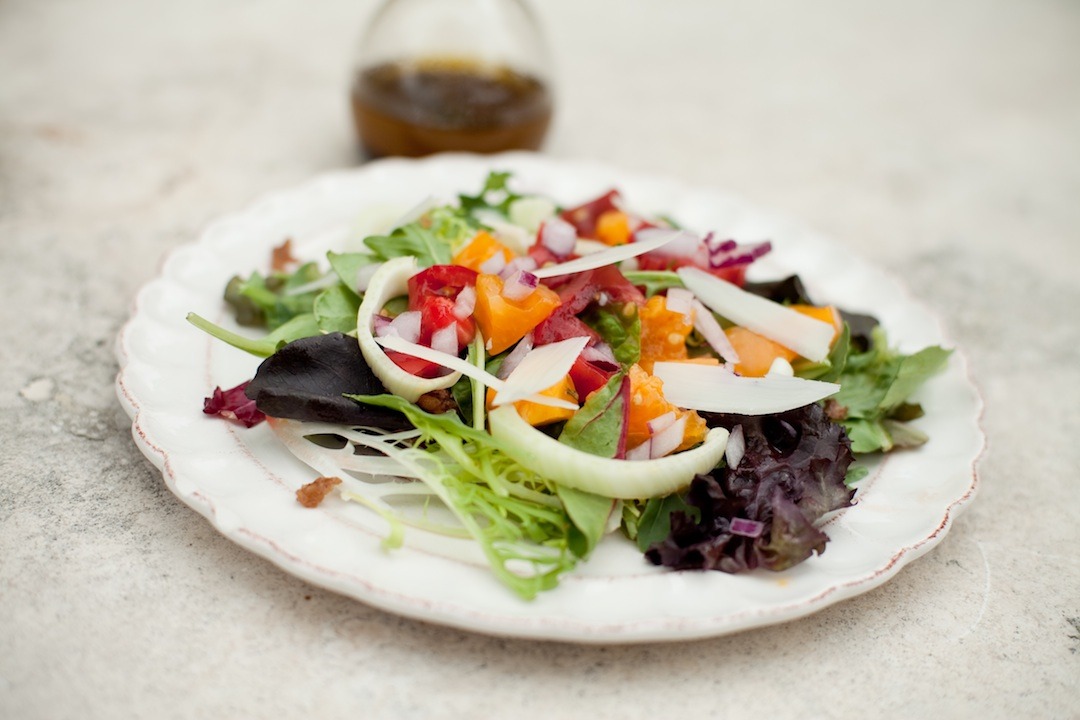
(939, 139)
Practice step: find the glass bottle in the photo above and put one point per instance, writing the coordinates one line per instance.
(451, 75)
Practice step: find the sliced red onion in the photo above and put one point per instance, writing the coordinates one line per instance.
(747, 528)
(364, 275)
(741, 256)
(641, 452)
(465, 302)
(680, 300)
(671, 437)
(661, 422)
(558, 236)
(717, 246)
(445, 339)
(406, 326)
(710, 329)
(494, 264)
(513, 359)
(520, 285)
(736, 447)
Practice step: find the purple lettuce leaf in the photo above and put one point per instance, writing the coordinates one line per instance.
(791, 474)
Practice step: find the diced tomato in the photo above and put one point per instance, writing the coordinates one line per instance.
(591, 375)
(443, 280)
(414, 365)
(433, 291)
(437, 312)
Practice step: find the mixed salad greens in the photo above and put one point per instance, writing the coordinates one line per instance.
(533, 378)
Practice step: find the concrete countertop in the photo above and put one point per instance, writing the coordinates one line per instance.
(937, 139)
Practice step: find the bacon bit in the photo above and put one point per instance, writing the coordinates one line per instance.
(315, 492)
(835, 411)
(281, 257)
(437, 402)
(233, 404)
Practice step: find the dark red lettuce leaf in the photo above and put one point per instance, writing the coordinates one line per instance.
(233, 404)
(308, 378)
(791, 475)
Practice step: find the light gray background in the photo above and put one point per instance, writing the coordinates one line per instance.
(940, 139)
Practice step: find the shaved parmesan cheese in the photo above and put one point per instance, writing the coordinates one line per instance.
(808, 337)
(464, 367)
(541, 368)
(611, 255)
(390, 281)
(716, 389)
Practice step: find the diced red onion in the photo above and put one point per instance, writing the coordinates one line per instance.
(641, 452)
(736, 447)
(445, 339)
(747, 528)
(522, 262)
(465, 302)
(515, 356)
(679, 300)
(558, 236)
(519, 286)
(601, 352)
(494, 264)
(780, 367)
(380, 325)
(406, 326)
(661, 422)
(706, 324)
(671, 437)
(364, 275)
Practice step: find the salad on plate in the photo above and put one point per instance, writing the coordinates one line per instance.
(534, 378)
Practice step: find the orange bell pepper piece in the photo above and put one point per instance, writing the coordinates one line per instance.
(503, 322)
(647, 402)
(663, 333)
(536, 414)
(756, 352)
(613, 228)
(479, 250)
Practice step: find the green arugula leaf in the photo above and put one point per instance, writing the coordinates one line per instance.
(654, 281)
(301, 326)
(589, 513)
(874, 388)
(411, 241)
(830, 369)
(618, 328)
(347, 266)
(495, 195)
(335, 309)
(654, 525)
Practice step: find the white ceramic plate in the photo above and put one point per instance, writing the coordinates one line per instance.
(243, 481)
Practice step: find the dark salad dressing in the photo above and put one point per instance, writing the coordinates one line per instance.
(441, 104)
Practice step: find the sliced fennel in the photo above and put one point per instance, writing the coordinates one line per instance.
(621, 479)
(388, 282)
